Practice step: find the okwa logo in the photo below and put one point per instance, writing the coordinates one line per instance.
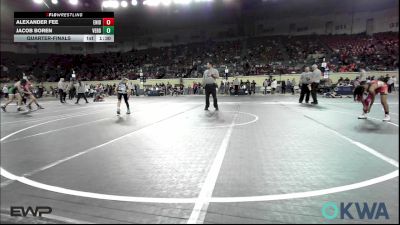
(351, 210)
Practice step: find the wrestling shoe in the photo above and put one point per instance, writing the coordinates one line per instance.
(3, 108)
(387, 118)
(362, 116)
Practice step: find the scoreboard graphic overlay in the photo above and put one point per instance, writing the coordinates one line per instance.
(64, 26)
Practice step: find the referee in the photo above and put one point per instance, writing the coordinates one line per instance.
(122, 90)
(315, 80)
(304, 83)
(61, 90)
(210, 85)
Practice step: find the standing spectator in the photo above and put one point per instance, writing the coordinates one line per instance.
(328, 85)
(227, 87)
(87, 87)
(109, 89)
(236, 86)
(137, 89)
(226, 72)
(91, 91)
(394, 83)
(222, 88)
(199, 86)
(96, 92)
(5, 91)
(52, 91)
(265, 85)
(316, 76)
(283, 87)
(40, 90)
(189, 90)
(113, 89)
(390, 84)
(289, 86)
(274, 85)
(363, 75)
(253, 87)
(194, 88)
(132, 89)
(248, 88)
(56, 92)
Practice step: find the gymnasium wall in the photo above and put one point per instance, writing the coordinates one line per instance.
(340, 23)
(259, 79)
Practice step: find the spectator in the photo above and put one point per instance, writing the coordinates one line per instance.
(259, 56)
(40, 90)
(222, 87)
(265, 85)
(283, 87)
(248, 87)
(5, 91)
(274, 85)
(236, 86)
(394, 83)
(289, 86)
(253, 87)
(390, 83)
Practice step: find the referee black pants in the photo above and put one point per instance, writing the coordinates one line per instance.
(304, 91)
(314, 90)
(81, 95)
(62, 95)
(211, 89)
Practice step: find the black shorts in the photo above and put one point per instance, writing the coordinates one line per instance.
(120, 96)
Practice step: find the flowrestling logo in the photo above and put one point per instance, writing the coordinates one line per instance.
(34, 211)
(354, 210)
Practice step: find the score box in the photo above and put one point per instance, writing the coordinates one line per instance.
(108, 21)
(108, 30)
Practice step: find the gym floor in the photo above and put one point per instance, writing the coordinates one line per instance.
(260, 159)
